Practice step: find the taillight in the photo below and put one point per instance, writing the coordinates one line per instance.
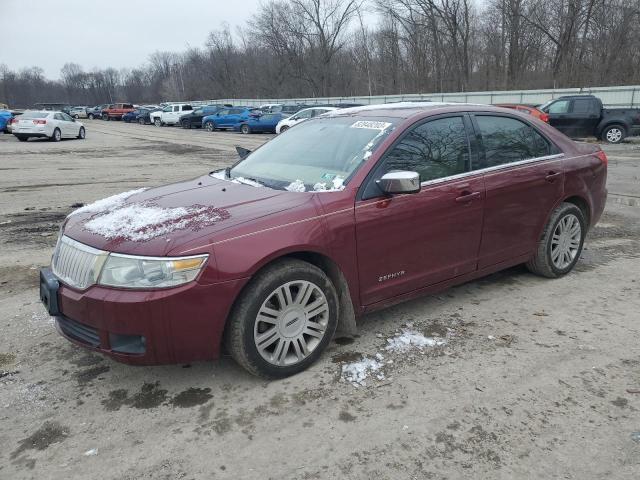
(13, 120)
(603, 157)
(39, 122)
(544, 117)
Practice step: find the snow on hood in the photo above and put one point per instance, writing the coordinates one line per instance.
(142, 222)
(106, 204)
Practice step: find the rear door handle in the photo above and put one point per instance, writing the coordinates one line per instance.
(466, 197)
(551, 176)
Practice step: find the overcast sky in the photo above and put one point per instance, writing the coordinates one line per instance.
(102, 33)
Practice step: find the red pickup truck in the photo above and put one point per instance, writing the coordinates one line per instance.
(115, 111)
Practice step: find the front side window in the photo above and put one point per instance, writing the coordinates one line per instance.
(176, 108)
(436, 149)
(507, 140)
(561, 106)
(302, 115)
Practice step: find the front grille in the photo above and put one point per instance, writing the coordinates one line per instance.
(76, 264)
(79, 331)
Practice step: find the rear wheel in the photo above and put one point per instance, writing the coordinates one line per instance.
(82, 134)
(613, 133)
(21, 138)
(561, 243)
(105, 117)
(91, 116)
(245, 128)
(141, 121)
(57, 135)
(283, 320)
(157, 122)
(210, 126)
(284, 128)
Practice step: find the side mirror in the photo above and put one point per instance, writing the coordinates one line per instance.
(399, 182)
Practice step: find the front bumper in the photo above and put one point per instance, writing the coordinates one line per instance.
(176, 325)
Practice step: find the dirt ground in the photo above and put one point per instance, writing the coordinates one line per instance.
(538, 378)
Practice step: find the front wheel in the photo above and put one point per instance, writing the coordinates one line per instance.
(245, 129)
(561, 243)
(141, 121)
(91, 116)
(157, 122)
(284, 128)
(613, 134)
(82, 134)
(106, 117)
(210, 126)
(283, 320)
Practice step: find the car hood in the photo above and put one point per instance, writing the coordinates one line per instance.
(155, 221)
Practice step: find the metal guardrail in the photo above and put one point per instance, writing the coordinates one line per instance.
(613, 97)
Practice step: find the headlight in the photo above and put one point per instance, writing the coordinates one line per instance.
(128, 271)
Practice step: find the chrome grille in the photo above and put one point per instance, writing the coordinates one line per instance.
(76, 264)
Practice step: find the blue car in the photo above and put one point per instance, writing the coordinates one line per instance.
(131, 116)
(5, 116)
(228, 118)
(259, 123)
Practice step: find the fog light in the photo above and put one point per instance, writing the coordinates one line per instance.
(135, 344)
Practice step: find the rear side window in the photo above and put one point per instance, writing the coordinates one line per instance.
(235, 111)
(187, 107)
(436, 149)
(581, 106)
(507, 140)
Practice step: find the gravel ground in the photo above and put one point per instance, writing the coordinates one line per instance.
(529, 378)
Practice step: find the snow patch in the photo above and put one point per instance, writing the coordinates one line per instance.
(222, 175)
(108, 203)
(297, 186)
(410, 339)
(91, 453)
(336, 186)
(141, 222)
(357, 372)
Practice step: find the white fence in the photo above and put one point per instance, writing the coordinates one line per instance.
(620, 97)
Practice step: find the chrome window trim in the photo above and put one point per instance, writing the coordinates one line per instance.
(491, 169)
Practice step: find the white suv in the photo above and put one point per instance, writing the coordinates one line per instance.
(301, 116)
(170, 115)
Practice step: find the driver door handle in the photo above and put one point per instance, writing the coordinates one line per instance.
(551, 176)
(466, 197)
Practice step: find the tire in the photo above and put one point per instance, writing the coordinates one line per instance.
(284, 128)
(290, 343)
(57, 135)
(91, 116)
(246, 129)
(210, 126)
(82, 134)
(561, 238)
(614, 133)
(22, 139)
(76, 117)
(141, 121)
(106, 117)
(157, 122)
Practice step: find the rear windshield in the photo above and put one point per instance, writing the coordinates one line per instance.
(34, 115)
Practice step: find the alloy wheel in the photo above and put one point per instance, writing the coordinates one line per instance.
(565, 242)
(614, 135)
(291, 323)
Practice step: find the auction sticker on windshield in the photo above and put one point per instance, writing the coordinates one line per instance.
(372, 125)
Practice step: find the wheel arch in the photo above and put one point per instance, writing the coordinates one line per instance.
(582, 204)
(613, 123)
(346, 311)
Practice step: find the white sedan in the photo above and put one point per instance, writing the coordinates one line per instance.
(52, 125)
(301, 116)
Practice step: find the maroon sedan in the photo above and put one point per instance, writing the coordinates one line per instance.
(344, 214)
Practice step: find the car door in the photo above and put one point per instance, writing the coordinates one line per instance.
(584, 115)
(405, 242)
(558, 116)
(62, 124)
(524, 179)
(71, 125)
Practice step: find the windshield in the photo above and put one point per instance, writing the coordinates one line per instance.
(319, 155)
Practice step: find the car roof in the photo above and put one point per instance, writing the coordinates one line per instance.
(410, 109)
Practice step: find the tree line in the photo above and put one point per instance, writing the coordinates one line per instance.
(318, 48)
